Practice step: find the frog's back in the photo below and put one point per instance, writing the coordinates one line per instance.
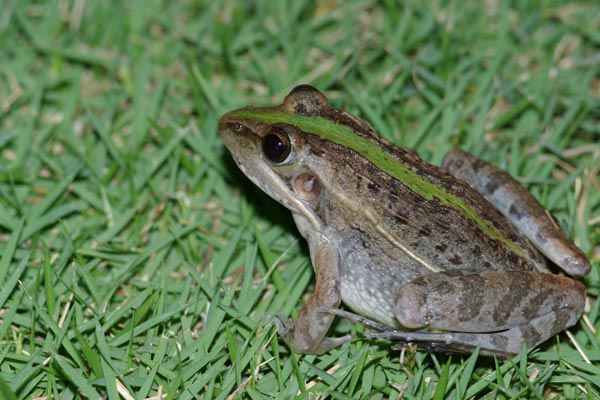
(388, 235)
(453, 228)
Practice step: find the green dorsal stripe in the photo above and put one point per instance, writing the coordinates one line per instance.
(342, 135)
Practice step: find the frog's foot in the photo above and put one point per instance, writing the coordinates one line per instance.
(503, 344)
(427, 340)
(447, 342)
(285, 328)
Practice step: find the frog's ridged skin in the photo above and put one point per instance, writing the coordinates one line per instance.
(403, 242)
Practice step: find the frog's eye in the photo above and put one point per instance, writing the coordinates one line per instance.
(276, 146)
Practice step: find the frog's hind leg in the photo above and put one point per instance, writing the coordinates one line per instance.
(503, 344)
(496, 311)
(520, 207)
(509, 342)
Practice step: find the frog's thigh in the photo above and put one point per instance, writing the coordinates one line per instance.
(520, 207)
(462, 301)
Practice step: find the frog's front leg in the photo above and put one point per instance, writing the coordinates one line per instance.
(306, 334)
(520, 207)
(492, 310)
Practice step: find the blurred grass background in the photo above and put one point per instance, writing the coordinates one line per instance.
(137, 262)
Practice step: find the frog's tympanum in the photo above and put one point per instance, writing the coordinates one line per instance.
(453, 258)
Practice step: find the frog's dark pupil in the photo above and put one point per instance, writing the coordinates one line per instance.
(276, 147)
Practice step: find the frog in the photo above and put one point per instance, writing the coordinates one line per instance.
(456, 258)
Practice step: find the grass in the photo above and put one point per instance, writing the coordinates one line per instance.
(136, 261)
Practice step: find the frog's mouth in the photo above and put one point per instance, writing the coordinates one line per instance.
(244, 146)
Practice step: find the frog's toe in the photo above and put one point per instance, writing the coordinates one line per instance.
(329, 343)
(283, 325)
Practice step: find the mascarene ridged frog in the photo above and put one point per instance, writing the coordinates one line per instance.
(454, 257)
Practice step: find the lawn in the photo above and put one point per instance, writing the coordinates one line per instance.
(137, 261)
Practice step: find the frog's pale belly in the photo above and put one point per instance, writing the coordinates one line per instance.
(370, 282)
(366, 295)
